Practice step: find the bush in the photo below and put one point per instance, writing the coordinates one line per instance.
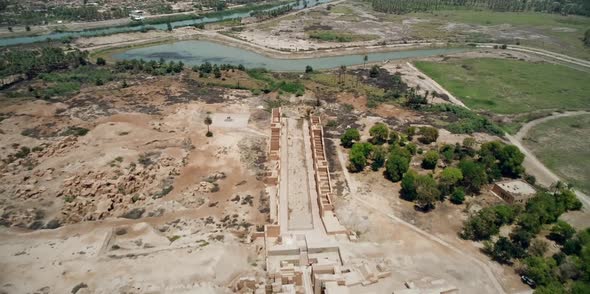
(378, 157)
(308, 69)
(358, 156)
(458, 196)
(349, 137)
(379, 133)
(430, 160)
(408, 191)
(75, 131)
(429, 135)
(397, 164)
(209, 134)
(101, 61)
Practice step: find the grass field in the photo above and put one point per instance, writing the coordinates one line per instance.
(554, 32)
(510, 86)
(562, 145)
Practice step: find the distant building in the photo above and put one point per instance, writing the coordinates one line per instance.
(137, 15)
(514, 191)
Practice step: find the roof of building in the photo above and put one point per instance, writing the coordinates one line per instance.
(517, 187)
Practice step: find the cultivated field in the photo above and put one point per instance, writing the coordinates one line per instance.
(562, 145)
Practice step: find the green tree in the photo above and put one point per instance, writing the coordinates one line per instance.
(503, 250)
(474, 176)
(480, 226)
(397, 163)
(366, 58)
(374, 71)
(449, 178)
(100, 61)
(430, 159)
(448, 153)
(378, 158)
(28, 28)
(427, 192)
(429, 135)
(540, 269)
(511, 161)
(169, 27)
(308, 69)
(216, 72)
(408, 191)
(587, 38)
(358, 156)
(561, 232)
(349, 137)
(379, 133)
(208, 121)
(458, 196)
(412, 148)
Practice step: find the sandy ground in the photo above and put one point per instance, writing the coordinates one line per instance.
(144, 186)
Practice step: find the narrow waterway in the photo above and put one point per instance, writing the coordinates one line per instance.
(196, 52)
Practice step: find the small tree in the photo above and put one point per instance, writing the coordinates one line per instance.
(28, 28)
(430, 160)
(374, 71)
(349, 137)
(308, 69)
(427, 192)
(449, 177)
(458, 196)
(358, 156)
(408, 191)
(216, 72)
(366, 58)
(397, 163)
(429, 135)
(378, 157)
(169, 27)
(101, 61)
(561, 232)
(379, 133)
(208, 121)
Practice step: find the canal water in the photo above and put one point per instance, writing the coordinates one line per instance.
(300, 4)
(196, 52)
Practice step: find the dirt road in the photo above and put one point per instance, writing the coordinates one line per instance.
(533, 166)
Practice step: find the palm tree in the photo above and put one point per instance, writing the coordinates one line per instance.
(365, 59)
(343, 72)
(208, 122)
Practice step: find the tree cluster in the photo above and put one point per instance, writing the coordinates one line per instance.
(32, 62)
(151, 67)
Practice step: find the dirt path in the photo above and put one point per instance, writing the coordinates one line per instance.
(533, 165)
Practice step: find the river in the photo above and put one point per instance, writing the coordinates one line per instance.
(138, 27)
(196, 52)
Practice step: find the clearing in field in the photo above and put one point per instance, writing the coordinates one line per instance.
(562, 145)
(511, 86)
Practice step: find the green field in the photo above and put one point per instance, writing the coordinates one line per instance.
(553, 32)
(562, 145)
(510, 86)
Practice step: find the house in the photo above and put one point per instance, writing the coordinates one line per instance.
(514, 191)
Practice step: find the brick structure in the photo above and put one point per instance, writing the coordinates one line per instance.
(274, 173)
(514, 191)
(322, 178)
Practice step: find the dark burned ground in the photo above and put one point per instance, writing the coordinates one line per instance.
(196, 91)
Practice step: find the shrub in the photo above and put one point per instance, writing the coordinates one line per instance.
(408, 191)
(75, 131)
(349, 137)
(397, 164)
(209, 134)
(378, 157)
(430, 160)
(101, 61)
(429, 135)
(458, 196)
(358, 156)
(379, 133)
